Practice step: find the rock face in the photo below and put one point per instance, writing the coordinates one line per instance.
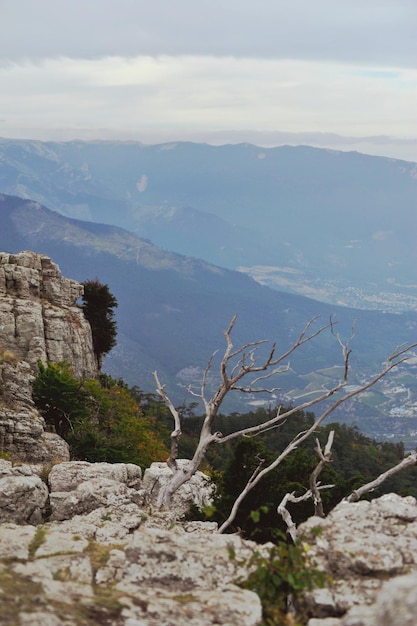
(365, 548)
(198, 490)
(39, 320)
(23, 495)
(39, 315)
(111, 561)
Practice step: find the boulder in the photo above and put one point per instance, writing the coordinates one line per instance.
(67, 476)
(79, 487)
(90, 495)
(23, 495)
(360, 546)
(396, 603)
(197, 491)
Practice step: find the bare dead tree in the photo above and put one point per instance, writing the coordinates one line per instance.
(243, 370)
(176, 433)
(315, 487)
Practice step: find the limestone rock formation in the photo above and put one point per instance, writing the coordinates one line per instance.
(68, 476)
(81, 487)
(198, 490)
(39, 315)
(151, 578)
(365, 548)
(23, 495)
(119, 563)
(96, 551)
(39, 320)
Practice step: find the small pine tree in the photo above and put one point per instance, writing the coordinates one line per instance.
(98, 305)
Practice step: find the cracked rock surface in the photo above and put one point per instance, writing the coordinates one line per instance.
(366, 549)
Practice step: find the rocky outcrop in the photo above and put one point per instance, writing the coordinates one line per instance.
(23, 495)
(395, 604)
(365, 548)
(78, 488)
(95, 551)
(81, 487)
(118, 563)
(39, 320)
(24, 438)
(197, 491)
(151, 578)
(39, 315)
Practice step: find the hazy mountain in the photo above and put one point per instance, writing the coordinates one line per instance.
(173, 310)
(343, 223)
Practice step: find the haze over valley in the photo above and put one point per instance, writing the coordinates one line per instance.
(173, 310)
(338, 227)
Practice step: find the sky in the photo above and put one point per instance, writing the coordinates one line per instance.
(334, 73)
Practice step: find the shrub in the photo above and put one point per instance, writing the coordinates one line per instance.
(58, 396)
(101, 422)
(282, 576)
(116, 429)
(7, 356)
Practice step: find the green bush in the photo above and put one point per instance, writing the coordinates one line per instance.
(116, 429)
(282, 576)
(100, 419)
(59, 396)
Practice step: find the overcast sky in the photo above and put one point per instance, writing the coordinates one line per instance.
(265, 71)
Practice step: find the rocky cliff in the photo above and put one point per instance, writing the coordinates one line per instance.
(39, 320)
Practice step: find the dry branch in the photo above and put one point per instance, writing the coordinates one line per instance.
(177, 432)
(324, 459)
(393, 361)
(286, 515)
(408, 461)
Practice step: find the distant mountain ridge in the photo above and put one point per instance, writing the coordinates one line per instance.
(332, 218)
(173, 310)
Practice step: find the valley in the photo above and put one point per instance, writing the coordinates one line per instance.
(335, 291)
(343, 222)
(312, 232)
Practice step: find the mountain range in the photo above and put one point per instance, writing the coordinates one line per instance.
(173, 310)
(336, 226)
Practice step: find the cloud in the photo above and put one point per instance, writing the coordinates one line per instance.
(177, 96)
(210, 93)
(376, 32)
(199, 69)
